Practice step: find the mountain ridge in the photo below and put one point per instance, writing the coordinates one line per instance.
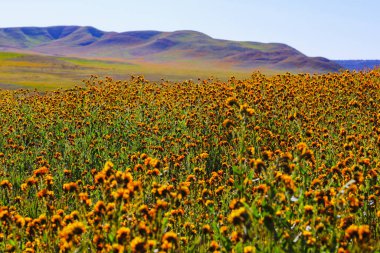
(159, 47)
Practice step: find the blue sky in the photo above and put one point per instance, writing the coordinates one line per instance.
(336, 29)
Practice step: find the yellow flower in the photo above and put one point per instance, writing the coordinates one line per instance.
(351, 231)
(70, 187)
(232, 101)
(250, 111)
(151, 243)
(184, 191)
(203, 155)
(70, 231)
(155, 163)
(289, 183)
(249, 249)
(308, 209)
(364, 232)
(107, 169)
(206, 229)
(138, 244)
(122, 234)
(100, 208)
(227, 123)
(6, 184)
(301, 146)
(235, 236)
(41, 171)
(238, 216)
(116, 248)
(213, 246)
(223, 230)
(170, 237)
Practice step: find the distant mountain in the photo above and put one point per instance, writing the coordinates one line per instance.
(179, 47)
(358, 64)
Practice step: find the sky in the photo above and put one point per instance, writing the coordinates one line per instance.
(336, 29)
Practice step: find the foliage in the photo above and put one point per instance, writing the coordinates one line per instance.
(268, 164)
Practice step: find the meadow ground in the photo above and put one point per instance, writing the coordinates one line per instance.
(19, 70)
(287, 163)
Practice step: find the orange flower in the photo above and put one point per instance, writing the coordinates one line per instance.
(100, 208)
(364, 232)
(6, 184)
(116, 248)
(249, 249)
(235, 236)
(184, 191)
(228, 123)
(232, 101)
(71, 230)
(351, 231)
(122, 234)
(238, 216)
(20, 221)
(308, 209)
(71, 187)
(170, 237)
(155, 163)
(206, 229)
(138, 245)
(289, 183)
(213, 246)
(41, 171)
(203, 155)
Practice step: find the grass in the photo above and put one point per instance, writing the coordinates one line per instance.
(284, 163)
(42, 72)
(8, 55)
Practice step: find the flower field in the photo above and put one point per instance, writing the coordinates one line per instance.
(287, 163)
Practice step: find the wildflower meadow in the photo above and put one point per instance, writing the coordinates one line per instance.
(283, 163)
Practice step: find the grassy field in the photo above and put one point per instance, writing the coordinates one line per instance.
(49, 72)
(287, 163)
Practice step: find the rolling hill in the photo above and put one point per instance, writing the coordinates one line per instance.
(185, 48)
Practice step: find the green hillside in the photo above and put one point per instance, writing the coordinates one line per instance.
(153, 47)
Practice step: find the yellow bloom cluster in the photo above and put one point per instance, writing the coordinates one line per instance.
(285, 163)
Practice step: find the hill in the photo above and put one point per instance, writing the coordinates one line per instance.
(179, 47)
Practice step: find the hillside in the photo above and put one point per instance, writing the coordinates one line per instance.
(184, 47)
